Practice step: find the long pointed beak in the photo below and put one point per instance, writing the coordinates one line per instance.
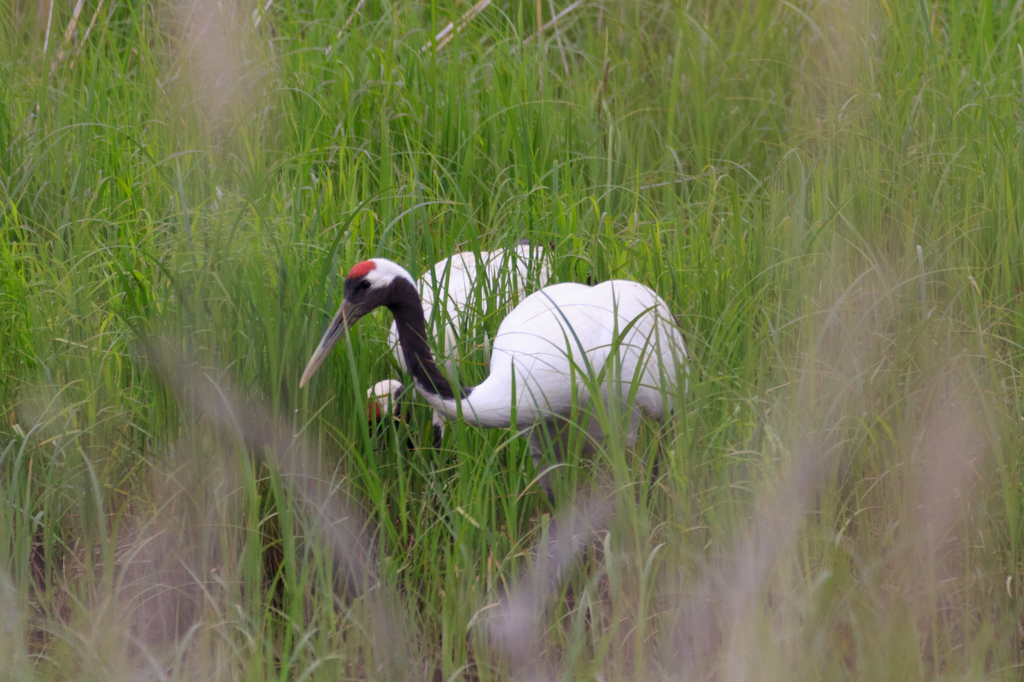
(346, 316)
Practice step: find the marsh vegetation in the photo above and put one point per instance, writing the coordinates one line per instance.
(829, 196)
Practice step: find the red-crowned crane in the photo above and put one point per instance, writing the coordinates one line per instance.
(464, 286)
(549, 352)
(383, 397)
(385, 405)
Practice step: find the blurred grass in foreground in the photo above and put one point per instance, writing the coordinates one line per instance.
(828, 194)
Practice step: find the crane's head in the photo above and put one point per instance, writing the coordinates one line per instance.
(384, 399)
(387, 404)
(369, 285)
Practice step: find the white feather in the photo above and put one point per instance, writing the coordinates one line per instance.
(559, 344)
(466, 296)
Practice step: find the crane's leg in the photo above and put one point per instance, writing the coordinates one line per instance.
(634, 425)
(659, 451)
(437, 421)
(542, 435)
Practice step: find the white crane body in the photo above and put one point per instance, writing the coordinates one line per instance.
(566, 340)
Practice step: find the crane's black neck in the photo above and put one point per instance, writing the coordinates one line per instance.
(406, 307)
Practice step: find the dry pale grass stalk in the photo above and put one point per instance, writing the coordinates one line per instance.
(222, 57)
(339, 520)
(839, 49)
(214, 50)
(558, 37)
(88, 30)
(554, 21)
(352, 17)
(517, 626)
(258, 430)
(67, 34)
(49, 21)
(950, 452)
(947, 462)
(716, 629)
(74, 21)
(12, 633)
(715, 618)
(715, 625)
(445, 35)
(259, 16)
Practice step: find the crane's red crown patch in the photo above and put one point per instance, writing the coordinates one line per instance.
(361, 269)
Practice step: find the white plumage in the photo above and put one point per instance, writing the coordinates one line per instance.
(466, 286)
(566, 341)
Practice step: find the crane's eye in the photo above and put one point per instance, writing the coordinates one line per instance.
(364, 285)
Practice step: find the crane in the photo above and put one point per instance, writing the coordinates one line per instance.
(550, 355)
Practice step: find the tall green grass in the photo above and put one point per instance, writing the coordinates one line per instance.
(828, 195)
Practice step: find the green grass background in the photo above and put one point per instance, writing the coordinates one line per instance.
(828, 194)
